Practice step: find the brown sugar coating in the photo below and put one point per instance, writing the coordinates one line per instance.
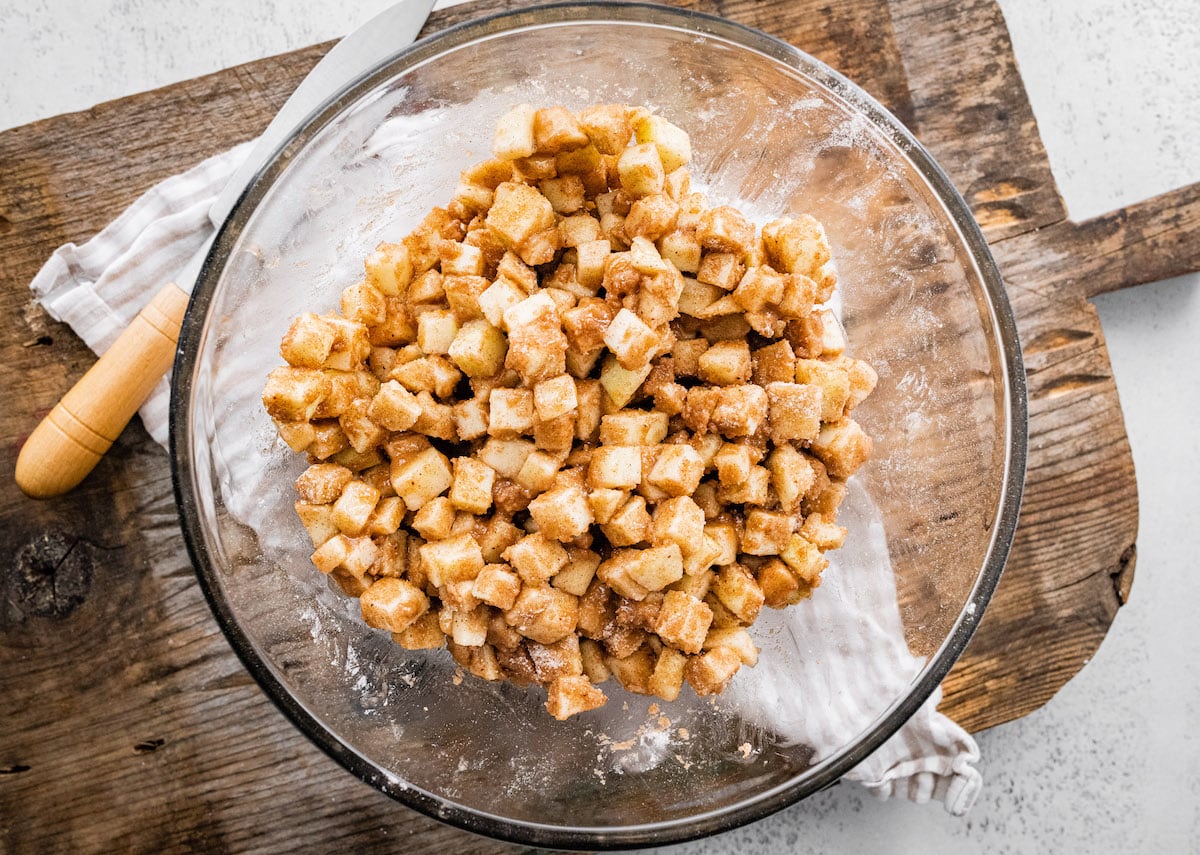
(578, 425)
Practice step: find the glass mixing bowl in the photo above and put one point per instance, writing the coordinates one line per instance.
(931, 516)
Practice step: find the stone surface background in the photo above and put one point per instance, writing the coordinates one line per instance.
(1112, 764)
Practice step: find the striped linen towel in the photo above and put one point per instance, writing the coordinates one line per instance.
(99, 286)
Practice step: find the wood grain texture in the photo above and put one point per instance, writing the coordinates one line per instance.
(970, 111)
(69, 442)
(128, 722)
(1073, 559)
(1147, 242)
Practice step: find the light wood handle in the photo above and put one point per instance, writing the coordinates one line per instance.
(70, 441)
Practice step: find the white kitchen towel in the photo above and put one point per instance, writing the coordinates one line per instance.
(99, 286)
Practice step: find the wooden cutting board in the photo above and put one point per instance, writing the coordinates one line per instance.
(128, 723)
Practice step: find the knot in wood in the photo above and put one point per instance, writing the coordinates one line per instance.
(53, 574)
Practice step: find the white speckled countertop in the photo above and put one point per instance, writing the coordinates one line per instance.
(1112, 764)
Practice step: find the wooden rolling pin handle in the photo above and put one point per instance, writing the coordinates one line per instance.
(70, 441)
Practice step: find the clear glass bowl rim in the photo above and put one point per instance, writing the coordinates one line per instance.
(749, 809)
